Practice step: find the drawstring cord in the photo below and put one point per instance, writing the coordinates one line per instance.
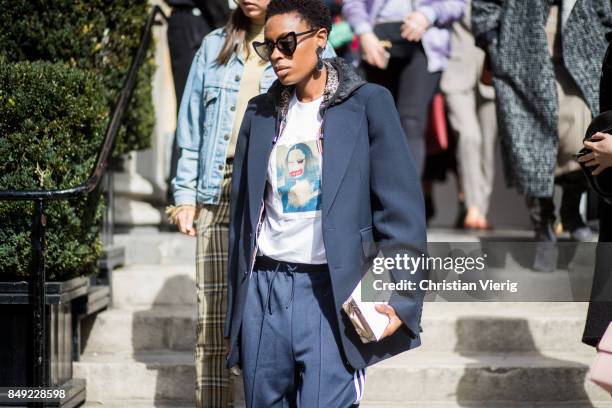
(268, 303)
(291, 273)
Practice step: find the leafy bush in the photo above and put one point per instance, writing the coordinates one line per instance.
(53, 115)
(52, 122)
(95, 35)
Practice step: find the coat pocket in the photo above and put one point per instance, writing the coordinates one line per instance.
(367, 242)
(209, 96)
(210, 106)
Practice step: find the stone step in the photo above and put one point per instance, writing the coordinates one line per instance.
(517, 377)
(504, 327)
(371, 404)
(416, 377)
(159, 328)
(476, 404)
(144, 286)
(501, 327)
(150, 246)
(138, 404)
(162, 375)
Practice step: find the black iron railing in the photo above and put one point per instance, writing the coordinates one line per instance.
(39, 197)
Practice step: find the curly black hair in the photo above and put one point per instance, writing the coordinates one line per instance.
(315, 12)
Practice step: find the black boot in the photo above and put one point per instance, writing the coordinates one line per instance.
(430, 209)
(542, 214)
(461, 213)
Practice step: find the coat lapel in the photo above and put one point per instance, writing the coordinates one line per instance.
(342, 123)
(260, 147)
(566, 10)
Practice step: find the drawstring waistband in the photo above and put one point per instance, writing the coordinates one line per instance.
(266, 263)
(269, 264)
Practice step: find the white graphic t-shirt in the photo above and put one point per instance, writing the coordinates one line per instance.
(292, 230)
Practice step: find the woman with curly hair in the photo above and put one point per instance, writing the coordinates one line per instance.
(291, 267)
(224, 75)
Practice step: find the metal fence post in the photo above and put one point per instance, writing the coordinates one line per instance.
(38, 296)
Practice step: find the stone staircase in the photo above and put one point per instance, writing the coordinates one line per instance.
(140, 353)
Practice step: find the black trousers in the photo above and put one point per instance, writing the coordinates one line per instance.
(600, 305)
(186, 31)
(185, 34)
(413, 88)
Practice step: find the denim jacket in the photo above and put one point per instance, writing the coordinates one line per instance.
(205, 120)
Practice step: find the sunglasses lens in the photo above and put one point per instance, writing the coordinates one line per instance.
(263, 49)
(287, 44)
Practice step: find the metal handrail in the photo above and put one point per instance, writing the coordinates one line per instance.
(38, 278)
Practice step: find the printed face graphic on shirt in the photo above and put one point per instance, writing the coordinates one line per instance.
(299, 177)
(296, 161)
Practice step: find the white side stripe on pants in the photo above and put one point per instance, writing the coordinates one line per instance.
(359, 381)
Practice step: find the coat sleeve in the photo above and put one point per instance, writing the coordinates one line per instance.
(486, 15)
(189, 131)
(442, 13)
(398, 214)
(356, 13)
(237, 206)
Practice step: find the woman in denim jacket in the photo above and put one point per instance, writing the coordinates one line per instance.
(224, 75)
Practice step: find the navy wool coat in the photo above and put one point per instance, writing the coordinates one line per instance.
(370, 193)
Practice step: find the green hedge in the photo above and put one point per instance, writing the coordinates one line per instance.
(95, 35)
(53, 115)
(52, 122)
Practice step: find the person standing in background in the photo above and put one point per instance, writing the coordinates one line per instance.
(414, 50)
(599, 314)
(189, 22)
(545, 59)
(471, 114)
(225, 74)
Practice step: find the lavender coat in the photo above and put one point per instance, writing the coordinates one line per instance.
(361, 15)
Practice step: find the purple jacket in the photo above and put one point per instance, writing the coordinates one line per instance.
(361, 15)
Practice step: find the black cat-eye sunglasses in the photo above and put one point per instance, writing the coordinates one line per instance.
(285, 44)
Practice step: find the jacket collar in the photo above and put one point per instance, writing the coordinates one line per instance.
(566, 10)
(342, 81)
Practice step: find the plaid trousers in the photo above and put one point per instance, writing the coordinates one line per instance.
(213, 381)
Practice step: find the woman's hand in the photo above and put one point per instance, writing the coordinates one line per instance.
(185, 220)
(373, 51)
(601, 154)
(394, 320)
(415, 25)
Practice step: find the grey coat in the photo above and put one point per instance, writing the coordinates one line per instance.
(512, 31)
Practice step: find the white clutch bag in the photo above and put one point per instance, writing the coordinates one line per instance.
(368, 322)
